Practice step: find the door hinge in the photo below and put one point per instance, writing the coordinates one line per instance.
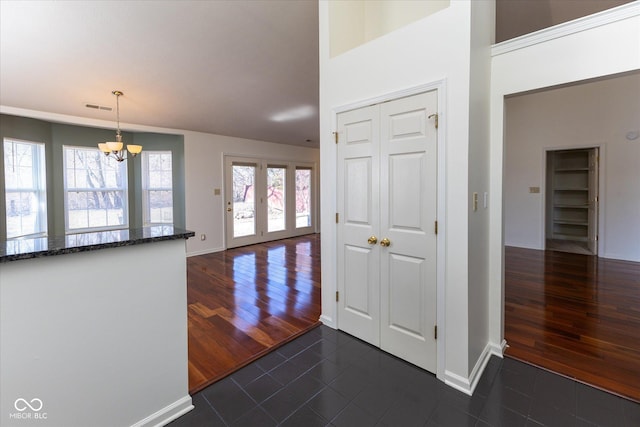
(335, 136)
(337, 296)
(435, 332)
(337, 217)
(435, 227)
(435, 115)
(596, 238)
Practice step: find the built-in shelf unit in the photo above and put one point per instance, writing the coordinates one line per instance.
(572, 194)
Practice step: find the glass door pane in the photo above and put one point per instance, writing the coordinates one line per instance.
(276, 176)
(303, 197)
(244, 200)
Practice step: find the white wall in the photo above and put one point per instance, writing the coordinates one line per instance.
(100, 337)
(204, 155)
(358, 21)
(482, 37)
(606, 44)
(598, 113)
(436, 48)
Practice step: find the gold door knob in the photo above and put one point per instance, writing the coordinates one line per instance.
(372, 240)
(385, 242)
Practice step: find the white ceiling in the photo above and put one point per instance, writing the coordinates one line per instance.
(241, 68)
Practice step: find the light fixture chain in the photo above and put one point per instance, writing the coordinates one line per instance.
(118, 110)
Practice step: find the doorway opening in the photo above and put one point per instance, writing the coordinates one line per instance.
(563, 311)
(572, 201)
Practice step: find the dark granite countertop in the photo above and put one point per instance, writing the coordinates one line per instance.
(17, 249)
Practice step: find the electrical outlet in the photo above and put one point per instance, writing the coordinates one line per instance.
(203, 237)
(534, 189)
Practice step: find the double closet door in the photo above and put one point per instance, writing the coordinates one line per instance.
(386, 197)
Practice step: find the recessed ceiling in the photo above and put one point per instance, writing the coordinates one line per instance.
(241, 68)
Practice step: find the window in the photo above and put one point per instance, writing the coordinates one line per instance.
(25, 188)
(303, 197)
(244, 199)
(157, 187)
(95, 191)
(276, 178)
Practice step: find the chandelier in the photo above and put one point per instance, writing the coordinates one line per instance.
(116, 148)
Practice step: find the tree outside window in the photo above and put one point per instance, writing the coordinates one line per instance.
(25, 188)
(95, 190)
(157, 187)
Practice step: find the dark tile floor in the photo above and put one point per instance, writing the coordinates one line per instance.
(328, 378)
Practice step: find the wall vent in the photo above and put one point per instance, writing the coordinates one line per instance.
(98, 107)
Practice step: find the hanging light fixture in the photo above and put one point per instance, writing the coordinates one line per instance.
(116, 148)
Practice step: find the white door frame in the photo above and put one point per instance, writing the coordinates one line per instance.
(291, 165)
(440, 86)
(601, 193)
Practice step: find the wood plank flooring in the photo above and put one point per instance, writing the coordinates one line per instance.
(577, 315)
(245, 301)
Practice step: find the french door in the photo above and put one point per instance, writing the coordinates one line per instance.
(386, 196)
(267, 200)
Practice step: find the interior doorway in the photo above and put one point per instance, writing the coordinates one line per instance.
(572, 201)
(558, 308)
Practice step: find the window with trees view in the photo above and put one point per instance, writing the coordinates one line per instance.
(95, 191)
(276, 198)
(244, 218)
(157, 187)
(303, 197)
(25, 188)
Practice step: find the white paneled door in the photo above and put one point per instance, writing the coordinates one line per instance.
(387, 170)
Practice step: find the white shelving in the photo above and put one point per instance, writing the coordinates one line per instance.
(570, 198)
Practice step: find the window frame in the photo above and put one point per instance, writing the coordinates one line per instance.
(147, 188)
(39, 178)
(124, 197)
(310, 169)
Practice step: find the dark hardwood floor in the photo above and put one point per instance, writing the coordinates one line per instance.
(577, 315)
(246, 301)
(573, 314)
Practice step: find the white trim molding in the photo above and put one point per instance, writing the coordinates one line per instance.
(564, 29)
(205, 251)
(167, 414)
(328, 321)
(468, 385)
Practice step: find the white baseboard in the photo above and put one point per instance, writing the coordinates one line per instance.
(468, 385)
(458, 382)
(621, 257)
(167, 414)
(204, 252)
(328, 321)
(503, 347)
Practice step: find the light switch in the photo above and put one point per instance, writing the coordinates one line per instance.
(216, 191)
